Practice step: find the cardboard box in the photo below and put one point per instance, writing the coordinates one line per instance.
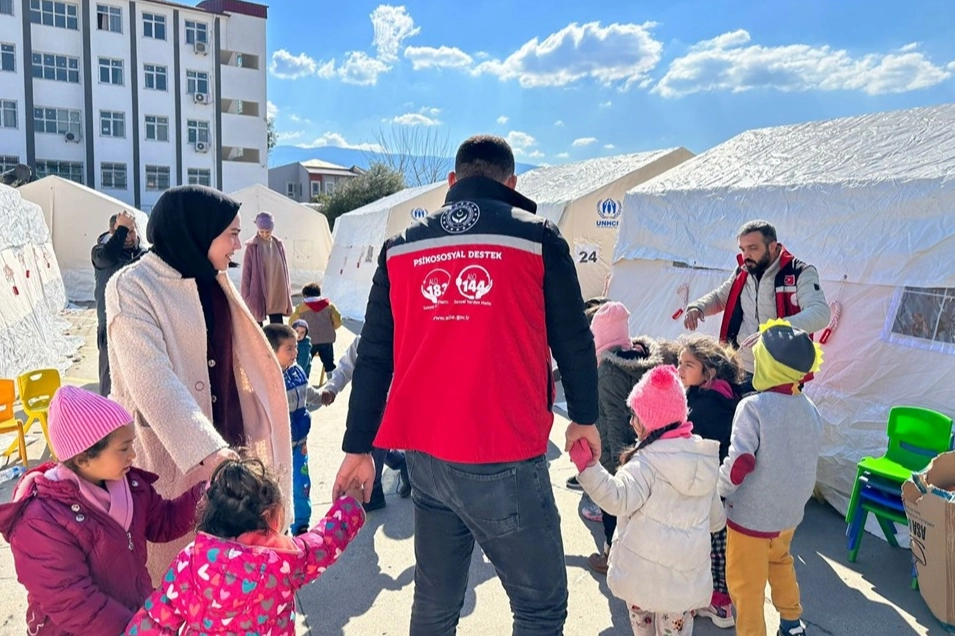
(930, 508)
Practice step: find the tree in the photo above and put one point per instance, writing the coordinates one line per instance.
(377, 182)
(421, 153)
(272, 136)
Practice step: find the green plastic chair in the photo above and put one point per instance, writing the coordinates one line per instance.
(916, 436)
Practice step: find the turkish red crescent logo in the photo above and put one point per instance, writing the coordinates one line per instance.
(789, 280)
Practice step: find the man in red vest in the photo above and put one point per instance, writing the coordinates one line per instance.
(767, 283)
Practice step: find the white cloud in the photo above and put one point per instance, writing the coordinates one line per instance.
(337, 140)
(618, 54)
(609, 146)
(326, 70)
(271, 110)
(429, 111)
(728, 62)
(299, 120)
(520, 142)
(606, 104)
(423, 57)
(559, 123)
(584, 141)
(287, 136)
(503, 119)
(392, 26)
(287, 66)
(361, 69)
(414, 119)
(563, 155)
(536, 154)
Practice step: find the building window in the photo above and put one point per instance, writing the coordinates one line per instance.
(316, 188)
(72, 170)
(8, 114)
(157, 128)
(6, 7)
(197, 82)
(110, 71)
(109, 18)
(292, 190)
(112, 123)
(157, 178)
(196, 32)
(197, 131)
(199, 176)
(62, 15)
(156, 77)
(8, 57)
(113, 175)
(154, 26)
(329, 186)
(56, 120)
(8, 162)
(61, 68)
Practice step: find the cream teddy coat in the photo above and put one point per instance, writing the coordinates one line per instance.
(159, 367)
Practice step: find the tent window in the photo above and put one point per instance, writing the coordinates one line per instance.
(924, 317)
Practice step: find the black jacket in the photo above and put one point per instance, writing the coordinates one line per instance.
(109, 256)
(712, 415)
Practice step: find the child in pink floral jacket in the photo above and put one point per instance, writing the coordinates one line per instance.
(239, 576)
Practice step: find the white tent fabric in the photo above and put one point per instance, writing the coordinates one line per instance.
(585, 198)
(32, 330)
(867, 200)
(304, 232)
(76, 216)
(358, 238)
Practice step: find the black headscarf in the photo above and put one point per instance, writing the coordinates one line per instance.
(183, 224)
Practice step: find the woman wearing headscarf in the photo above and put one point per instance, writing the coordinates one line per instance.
(189, 362)
(265, 281)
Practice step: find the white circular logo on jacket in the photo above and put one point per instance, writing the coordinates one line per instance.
(474, 282)
(435, 284)
(460, 217)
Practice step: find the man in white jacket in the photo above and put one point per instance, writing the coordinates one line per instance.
(767, 283)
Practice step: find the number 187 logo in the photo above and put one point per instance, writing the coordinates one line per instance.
(474, 282)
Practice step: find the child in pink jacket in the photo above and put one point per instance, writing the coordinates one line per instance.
(240, 575)
(78, 529)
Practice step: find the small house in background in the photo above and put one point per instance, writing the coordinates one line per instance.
(302, 181)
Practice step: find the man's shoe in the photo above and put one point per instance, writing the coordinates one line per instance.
(721, 615)
(598, 562)
(377, 501)
(573, 484)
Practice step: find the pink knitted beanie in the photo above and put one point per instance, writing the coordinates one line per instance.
(611, 328)
(659, 398)
(79, 419)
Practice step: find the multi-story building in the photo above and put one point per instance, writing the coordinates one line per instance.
(304, 180)
(131, 97)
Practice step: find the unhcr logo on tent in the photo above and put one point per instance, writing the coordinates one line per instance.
(418, 213)
(609, 210)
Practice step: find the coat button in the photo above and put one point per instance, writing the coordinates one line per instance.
(213, 399)
(200, 386)
(80, 518)
(212, 363)
(75, 507)
(134, 483)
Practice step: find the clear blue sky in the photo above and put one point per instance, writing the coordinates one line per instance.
(566, 80)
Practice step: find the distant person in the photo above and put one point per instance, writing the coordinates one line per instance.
(265, 280)
(769, 282)
(113, 251)
(323, 319)
(454, 366)
(78, 529)
(208, 589)
(304, 356)
(664, 497)
(768, 476)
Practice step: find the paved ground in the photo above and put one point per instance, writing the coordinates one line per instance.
(369, 591)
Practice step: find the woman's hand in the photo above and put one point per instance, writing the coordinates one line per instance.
(212, 462)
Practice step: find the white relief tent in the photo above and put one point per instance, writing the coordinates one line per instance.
(870, 201)
(32, 298)
(76, 216)
(358, 238)
(584, 199)
(303, 231)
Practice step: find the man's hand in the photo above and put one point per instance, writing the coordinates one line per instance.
(126, 220)
(693, 318)
(751, 340)
(327, 396)
(587, 433)
(357, 471)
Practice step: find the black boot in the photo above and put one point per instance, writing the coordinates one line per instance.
(404, 483)
(377, 501)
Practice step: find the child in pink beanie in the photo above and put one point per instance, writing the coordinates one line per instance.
(611, 328)
(78, 529)
(664, 496)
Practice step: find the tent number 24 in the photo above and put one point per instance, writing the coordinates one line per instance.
(587, 257)
(587, 252)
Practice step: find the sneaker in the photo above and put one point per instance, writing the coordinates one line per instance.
(573, 484)
(797, 629)
(598, 562)
(721, 615)
(592, 512)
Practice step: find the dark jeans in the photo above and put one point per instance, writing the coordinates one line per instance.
(509, 510)
(393, 459)
(274, 319)
(325, 353)
(610, 526)
(105, 385)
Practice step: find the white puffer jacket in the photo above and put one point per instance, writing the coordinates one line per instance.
(666, 502)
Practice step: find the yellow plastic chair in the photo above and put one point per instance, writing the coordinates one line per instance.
(36, 392)
(8, 422)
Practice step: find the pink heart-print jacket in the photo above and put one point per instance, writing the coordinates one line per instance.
(218, 586)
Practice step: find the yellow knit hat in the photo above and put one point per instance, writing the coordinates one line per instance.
(783, 356)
